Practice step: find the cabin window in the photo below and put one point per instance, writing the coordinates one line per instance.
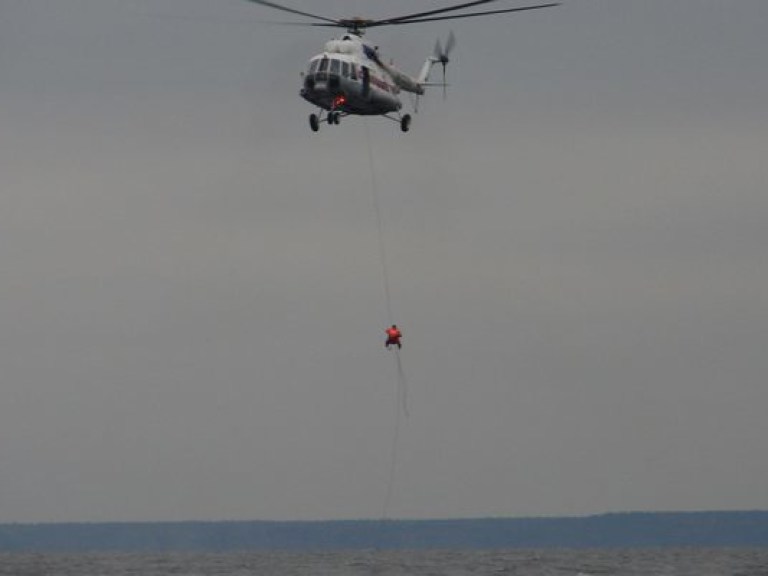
(335, 67)
(352, 71)
(345, 69)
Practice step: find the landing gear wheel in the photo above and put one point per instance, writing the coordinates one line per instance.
(405, 123)
(334, 118)
(314, 122)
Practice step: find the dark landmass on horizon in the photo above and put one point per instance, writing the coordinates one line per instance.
(616, 530)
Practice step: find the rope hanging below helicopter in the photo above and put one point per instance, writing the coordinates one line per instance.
(393, 333)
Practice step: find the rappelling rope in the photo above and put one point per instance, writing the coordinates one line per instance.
(392, 460)
(379, 228)
(401, 400)
(402, 382)
(402, 385)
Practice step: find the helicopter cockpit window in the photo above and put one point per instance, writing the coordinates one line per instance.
(335, 67)
(322, 67)
(352, 71)
(345, 69)
(313, 66)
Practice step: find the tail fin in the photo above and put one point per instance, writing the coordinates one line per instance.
(426, 68)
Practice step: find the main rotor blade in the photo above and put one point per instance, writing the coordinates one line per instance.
(397, 19)
(457, 16)
(293, 11)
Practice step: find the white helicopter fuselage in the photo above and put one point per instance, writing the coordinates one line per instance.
(349, 77)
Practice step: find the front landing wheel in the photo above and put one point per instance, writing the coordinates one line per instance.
(405, 123)
(314, 122)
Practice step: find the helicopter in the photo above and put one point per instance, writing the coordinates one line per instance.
(350, 78)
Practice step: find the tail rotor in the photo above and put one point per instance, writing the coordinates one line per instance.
(442, 56)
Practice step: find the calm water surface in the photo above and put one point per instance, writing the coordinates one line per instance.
(693, 561)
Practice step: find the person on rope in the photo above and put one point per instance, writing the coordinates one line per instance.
(393, 337)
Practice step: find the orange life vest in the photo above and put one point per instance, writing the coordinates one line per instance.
(393, 333)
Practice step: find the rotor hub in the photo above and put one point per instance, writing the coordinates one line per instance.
(355, 25)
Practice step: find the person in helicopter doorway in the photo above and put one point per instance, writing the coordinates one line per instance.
(393, 337)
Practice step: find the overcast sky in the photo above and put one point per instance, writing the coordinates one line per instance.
(192, 310)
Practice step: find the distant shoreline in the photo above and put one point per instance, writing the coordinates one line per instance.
(614, 530)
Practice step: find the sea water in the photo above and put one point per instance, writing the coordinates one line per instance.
(619, 562)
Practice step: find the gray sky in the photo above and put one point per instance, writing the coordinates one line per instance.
(191, 303)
